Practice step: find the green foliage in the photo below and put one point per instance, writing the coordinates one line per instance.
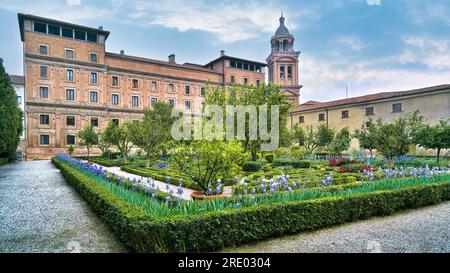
(104, 143)
(435, 137)
(120, 136)
(325, 135)
(270, 157)
(367, 136)
(251, 166)
(341, 142)
(299, 135)
(205, 161)
(70, 150)
(153, 132)
(88, 138)
(300, 164)
(232, 227)
(310, 142)
(10, 117)
(299, 153)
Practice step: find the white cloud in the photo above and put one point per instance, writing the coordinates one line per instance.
(73, 2)
(351, 42)
(374, 2)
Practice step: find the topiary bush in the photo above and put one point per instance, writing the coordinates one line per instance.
(270, 158)
(300, 164)
(251, 166)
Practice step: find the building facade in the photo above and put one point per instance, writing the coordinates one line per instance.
(71, 81)
(432, 102)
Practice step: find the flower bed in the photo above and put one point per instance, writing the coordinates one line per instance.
(259, 217)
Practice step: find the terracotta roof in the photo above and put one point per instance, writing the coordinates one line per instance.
(18, 80)
(368, 98)
(153, 61)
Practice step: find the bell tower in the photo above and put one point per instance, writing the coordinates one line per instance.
(283, 62)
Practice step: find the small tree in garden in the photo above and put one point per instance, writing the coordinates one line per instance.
(367, 136)
(103, 143)
(341, 142)
(88, 138)
(435, 137)
(324, 136)
(119, 135)
(70, 150)
(153, 131)
(206, 161)
(299, 135)
(310, 141)
(392, 138)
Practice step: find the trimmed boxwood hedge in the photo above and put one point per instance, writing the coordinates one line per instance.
(215, 230)
(251, 166)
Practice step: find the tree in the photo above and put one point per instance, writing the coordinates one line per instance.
(153, 132)
(103, 142)
(299, 135)
(10, 117)
(119, 135)
(435, 137)
(205, 161)
(88, 138)
(70, 150)
(367, 136)
(246, 95)
(310, 142)
(324, 136)
(341, 141)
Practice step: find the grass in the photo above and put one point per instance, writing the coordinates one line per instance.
(157, 208)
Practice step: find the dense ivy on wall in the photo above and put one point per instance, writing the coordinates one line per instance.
(10, 117)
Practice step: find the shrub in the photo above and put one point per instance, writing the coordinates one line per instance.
(270, 157)
(251, 166)
(301, 164)
(282, 162)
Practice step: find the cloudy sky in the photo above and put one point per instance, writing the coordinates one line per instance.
(369, 45)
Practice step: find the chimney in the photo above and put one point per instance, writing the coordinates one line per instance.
(172, 58)
(122, 53)
(222, 53)
(100, 27)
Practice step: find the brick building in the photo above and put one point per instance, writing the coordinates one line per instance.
(71, 80)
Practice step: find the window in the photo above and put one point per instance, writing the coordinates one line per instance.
(19, 99)
(170, 88)
(40, 27)
(70, 121)
(94, 122)
(153, 102)
(187, 105)
(135, 84)
(258, 83)
(301, 119)
(93, 57)
(44, 139)
(154, 86)
(369, 111)
(69, 75)
(43, 71)
(43, 92)
(92, 37)
(202, 91)
(232, 63)
(344, 114)
(69, 54)
(70, 94)
(94, 77)
(232, 79)
(67, 32)
(396, 107)
(115, 121)
(239, 65)
(43, 49)
(187, 90)
(94, 96)
(80, 35)
(281, 72)
(135, 101)
(70, 140)
(321, 117)
(252, 67)
(245, 80)
(44, 119)
(54, 30)
(171, 102)
(245, 66)
(115, 99)
(289, 72)
(115, 81)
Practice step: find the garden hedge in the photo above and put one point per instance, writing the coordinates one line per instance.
(251, 166)
(215, 230)
(3, 161)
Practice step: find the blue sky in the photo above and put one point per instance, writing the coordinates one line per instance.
(371, 45)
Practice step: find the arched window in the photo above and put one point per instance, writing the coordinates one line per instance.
(281, 72)
(289, 72)
(285, 45)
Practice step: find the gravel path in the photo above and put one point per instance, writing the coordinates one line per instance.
(40, 212)
(422, 230)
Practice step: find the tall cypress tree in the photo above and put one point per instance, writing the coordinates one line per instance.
(10, 117)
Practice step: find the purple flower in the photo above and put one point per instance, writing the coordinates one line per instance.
(209, 191)
(253, 191)
(167, 179)
(168, 199)
(236, 180)
(179, 190)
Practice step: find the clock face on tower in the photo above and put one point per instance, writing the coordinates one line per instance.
(283, 62)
